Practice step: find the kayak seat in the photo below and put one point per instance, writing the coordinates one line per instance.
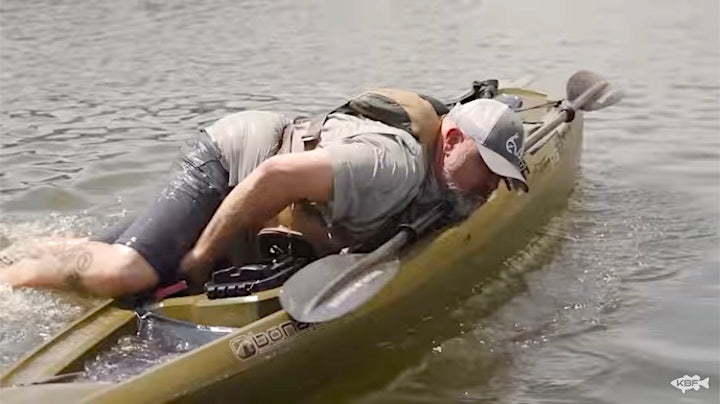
(279, 241)
(282, 253)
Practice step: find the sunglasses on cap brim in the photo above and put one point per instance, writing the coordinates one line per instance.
(513, 184)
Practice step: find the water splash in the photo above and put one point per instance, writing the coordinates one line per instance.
(29, 317)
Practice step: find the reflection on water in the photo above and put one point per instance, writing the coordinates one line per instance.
(617, 296)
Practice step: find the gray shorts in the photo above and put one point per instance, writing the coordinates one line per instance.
(172, 222)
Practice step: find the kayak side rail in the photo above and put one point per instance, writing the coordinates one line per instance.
(69, 345)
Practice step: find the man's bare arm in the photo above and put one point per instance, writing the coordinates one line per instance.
(276, 183)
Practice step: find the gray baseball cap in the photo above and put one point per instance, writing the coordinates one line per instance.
(498, 133)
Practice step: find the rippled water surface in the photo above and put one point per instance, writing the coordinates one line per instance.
(613, 298)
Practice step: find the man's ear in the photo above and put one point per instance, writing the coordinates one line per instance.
(453, 138)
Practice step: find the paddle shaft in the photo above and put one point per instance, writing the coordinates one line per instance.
(539, 139)
(406, 234)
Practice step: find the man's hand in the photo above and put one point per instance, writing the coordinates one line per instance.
(196, 268)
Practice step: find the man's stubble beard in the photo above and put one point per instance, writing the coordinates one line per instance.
(463, 204)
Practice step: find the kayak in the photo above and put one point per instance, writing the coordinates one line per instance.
(241, 346)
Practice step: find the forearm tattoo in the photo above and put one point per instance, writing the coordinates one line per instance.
(75, 262)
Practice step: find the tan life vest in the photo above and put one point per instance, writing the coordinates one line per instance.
(417, 114)
(401, 109)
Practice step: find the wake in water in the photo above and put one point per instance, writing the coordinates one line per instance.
(30, 316)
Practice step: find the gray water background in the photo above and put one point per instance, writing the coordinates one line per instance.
(96, 96)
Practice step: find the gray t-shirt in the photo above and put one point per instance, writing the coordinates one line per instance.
(378, 170)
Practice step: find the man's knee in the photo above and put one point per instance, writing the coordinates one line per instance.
(124, 271)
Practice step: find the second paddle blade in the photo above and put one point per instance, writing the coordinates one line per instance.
(301, 294)
(582, 80)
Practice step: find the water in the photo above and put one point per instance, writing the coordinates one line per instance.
(618, 296)
(156, 341)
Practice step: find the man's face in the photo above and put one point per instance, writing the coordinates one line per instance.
(464, 170)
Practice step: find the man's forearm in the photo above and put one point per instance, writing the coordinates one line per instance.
(262, 195)
(249, 205)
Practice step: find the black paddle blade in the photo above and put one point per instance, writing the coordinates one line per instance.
(299, 295)
(582, 80)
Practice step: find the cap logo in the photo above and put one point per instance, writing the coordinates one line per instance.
(511, 146)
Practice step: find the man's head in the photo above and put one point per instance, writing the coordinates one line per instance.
(483, 143)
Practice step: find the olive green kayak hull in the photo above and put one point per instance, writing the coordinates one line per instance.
(266, 347)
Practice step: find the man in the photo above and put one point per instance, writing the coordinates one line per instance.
(355, 171)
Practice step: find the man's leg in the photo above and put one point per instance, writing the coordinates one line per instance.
(83, 266)
(139, 255)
